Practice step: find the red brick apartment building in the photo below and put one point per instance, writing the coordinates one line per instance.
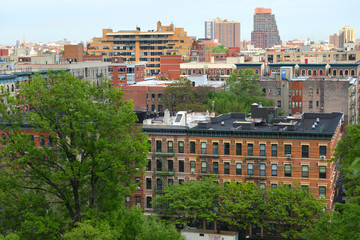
(265, 149)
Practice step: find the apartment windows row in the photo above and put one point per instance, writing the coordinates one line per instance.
(50, 141)
(170, 146)
(170, 166)
(250, 149)
(322, 189)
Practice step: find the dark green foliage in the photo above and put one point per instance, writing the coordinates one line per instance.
(217, 49)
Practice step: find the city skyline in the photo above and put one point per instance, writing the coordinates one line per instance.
(82, 20)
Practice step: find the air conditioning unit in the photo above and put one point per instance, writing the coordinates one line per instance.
(288, 156)
(322, 157)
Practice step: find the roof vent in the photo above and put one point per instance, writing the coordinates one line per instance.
(222, 123)
(317, 120)
(313, 126)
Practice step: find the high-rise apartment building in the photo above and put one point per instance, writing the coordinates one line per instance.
(148, 46)
(266, 33)
(346, 35)
(226, 32)
(334, 39)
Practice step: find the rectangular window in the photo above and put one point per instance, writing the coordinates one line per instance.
(170, 181)
(238, 169)
(287, 170)
(262, 150)
(181, 146)
(262, 186)
(226, 168)
(203, 167)
(138, 201)
(216, 167)
(322, 192)
(158, 145)
(203, 147)
(322, 151)
(181, 166)
(148, 202)
(322, 172)
(215, 148)
(192, 147)
(250, 149)
(148, 166)
(170, 147)
(170, 165)
(149, 142)
(226, 148)
(158, 165)
(250, 168)
(305, 171)
(287, 149)
(274, 150)
(148, 183)
(238, 148)
(273, 185)
(310, 104)
(262, 169)
(305, 151)
(273, 169)
(305, 188)
(192, 167)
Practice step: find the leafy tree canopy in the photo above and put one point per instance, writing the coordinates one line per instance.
(217, 49)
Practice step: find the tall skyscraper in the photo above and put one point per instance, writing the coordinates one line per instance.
(346, 35)
(266, 33)
(226, 32)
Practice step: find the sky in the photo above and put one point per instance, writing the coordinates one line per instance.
(81, 20)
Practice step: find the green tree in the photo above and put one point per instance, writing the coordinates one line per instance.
(242, 204)
(194, 200)
(182, 96)
(245, 82)
(217, 49)
(87, 164)
(293, 209)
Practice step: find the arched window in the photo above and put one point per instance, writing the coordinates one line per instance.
(12, 88)
(314, 73)
(7, 88)
(194, 71)
(303, 73)
(346, 72)
(199, 71)
(222, 72)
(309, 73)
(212, 71)
(334, 73)
(341, 72)
(257, 71)
(183, 72)
(217, 71)
(228, 72)
(321, 73)
(352, 73)
(189, 72)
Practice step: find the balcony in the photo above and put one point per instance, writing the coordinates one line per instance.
(164, 173)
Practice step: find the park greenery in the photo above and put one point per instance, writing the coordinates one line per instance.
(69, 161)
(240, 205)
(237, 94)
(217, 49)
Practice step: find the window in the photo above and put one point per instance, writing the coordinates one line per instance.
(158, 145)
(274, 150)
(170, 181)
(279, 104)
(170, 147)
(305, 188)
(273, 185)
(250, 149)
(305, 171)
(148, 183)
(250, 168)
(148, 166)
(322, 172)
(287, 168)
(158, 165)
(279, 91)
(181, 146)
(138, 201)
(216, 167)
(273, 169)
(322, 151)
(137, 182)
(238, 148)
(192, 167)
(171, 165)
(262, 150)
(262, 186)
(192, 147)
(310, 92)
(287, 149)
(181, 181)
(238, 169)
(215, 148)
(305, 151)
(226, 168)
(159, 184)
(203, 147)
(226, 148)
(310, 104)
(203, 167)
(51, 142)
(322, 192)
(181, 166)
(317, 103)
(148, 202)
(42, 141)
(262, 169)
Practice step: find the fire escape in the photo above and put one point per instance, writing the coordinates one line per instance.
(208, 171)
(162, 171)
(257, 173)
